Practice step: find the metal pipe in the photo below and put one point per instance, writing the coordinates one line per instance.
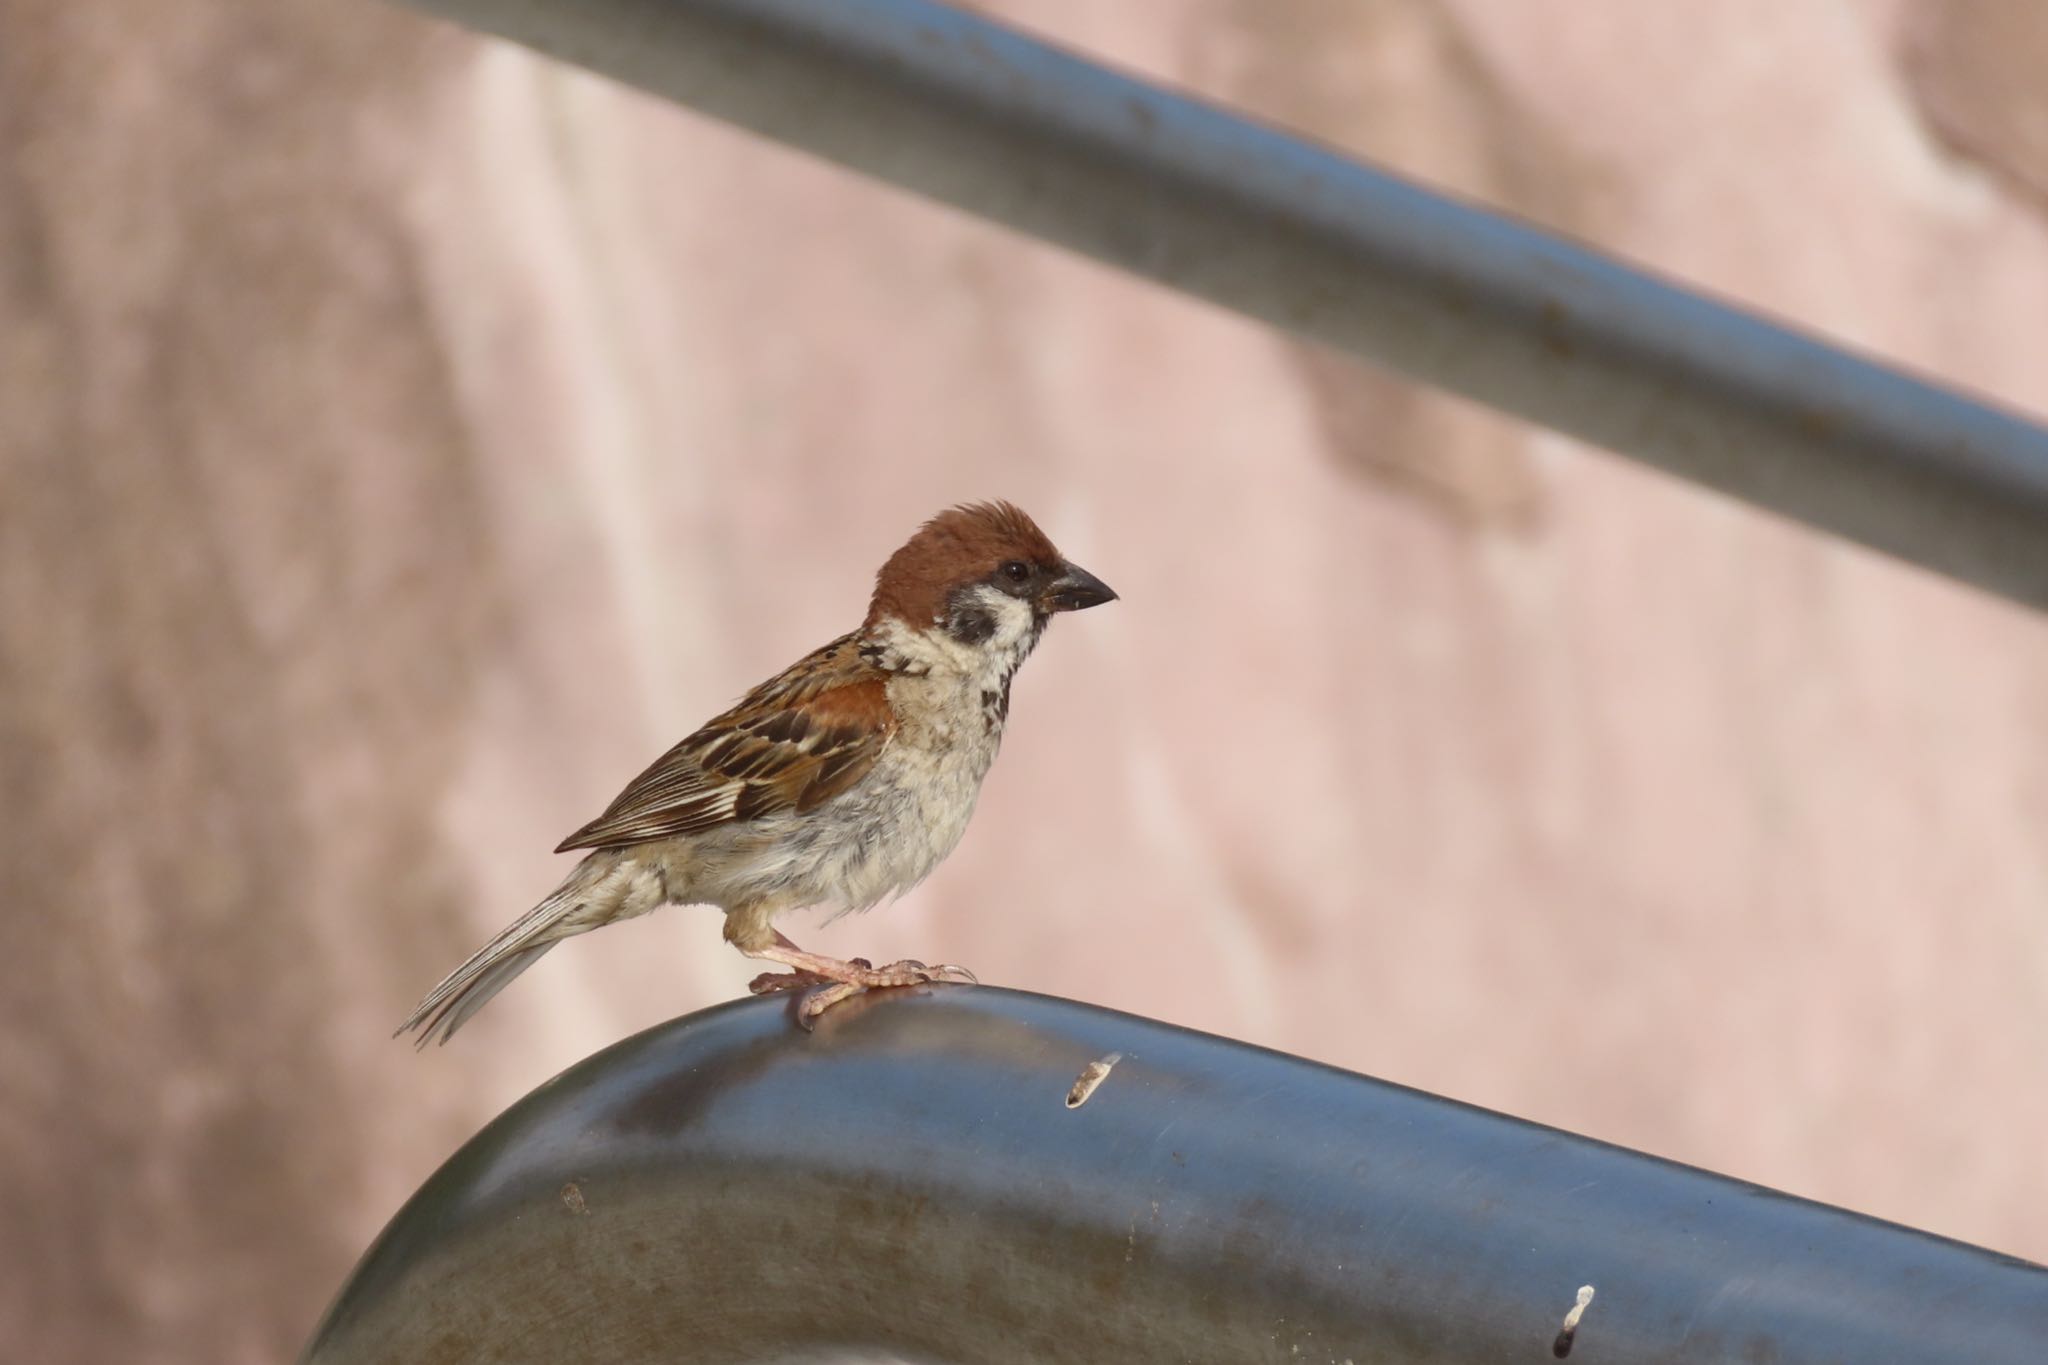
(978, 116)
(971, 1174)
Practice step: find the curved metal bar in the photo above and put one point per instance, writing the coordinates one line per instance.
(941, 1175)
(981, 117)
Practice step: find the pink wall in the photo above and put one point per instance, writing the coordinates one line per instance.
(403, 440)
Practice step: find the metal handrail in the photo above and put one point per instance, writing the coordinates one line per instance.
(979, 1175)
(972, 1174)
(967, 111)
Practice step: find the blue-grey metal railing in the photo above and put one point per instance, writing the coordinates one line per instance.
(978, 1175)
(977, 115)
(916, 1181)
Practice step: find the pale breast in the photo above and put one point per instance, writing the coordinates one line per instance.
(878, 839)
(886, 833)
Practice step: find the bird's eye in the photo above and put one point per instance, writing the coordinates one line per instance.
(1016, 571)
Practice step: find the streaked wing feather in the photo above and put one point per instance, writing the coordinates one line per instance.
(798, 740)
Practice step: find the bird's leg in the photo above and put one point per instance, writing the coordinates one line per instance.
(806, 970)
(829, 980)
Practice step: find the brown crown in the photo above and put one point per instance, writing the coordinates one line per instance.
(959, 545)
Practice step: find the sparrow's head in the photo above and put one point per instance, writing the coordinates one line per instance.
(985, 576)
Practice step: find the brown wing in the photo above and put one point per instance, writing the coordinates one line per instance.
(797, 740)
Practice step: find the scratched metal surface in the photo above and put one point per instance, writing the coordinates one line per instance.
(914, 1181)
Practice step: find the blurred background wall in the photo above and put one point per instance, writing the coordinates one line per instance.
(403, 439)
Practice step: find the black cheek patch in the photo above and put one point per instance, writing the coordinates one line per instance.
(971, 624)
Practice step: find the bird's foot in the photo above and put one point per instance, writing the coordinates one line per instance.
(908, 972)
(826, 981)
(796, 979)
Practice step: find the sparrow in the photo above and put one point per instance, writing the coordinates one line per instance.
(842, 780)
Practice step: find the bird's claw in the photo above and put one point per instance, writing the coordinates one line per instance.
(821, 998)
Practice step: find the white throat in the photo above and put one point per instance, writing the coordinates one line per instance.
(980, 658)
(954, 675)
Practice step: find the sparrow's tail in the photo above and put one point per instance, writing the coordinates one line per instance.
(518, 946)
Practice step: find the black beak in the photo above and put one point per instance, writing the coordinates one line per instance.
(1076, 590)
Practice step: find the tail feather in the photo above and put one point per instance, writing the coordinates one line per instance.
(491, 968)
(439, 1025)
